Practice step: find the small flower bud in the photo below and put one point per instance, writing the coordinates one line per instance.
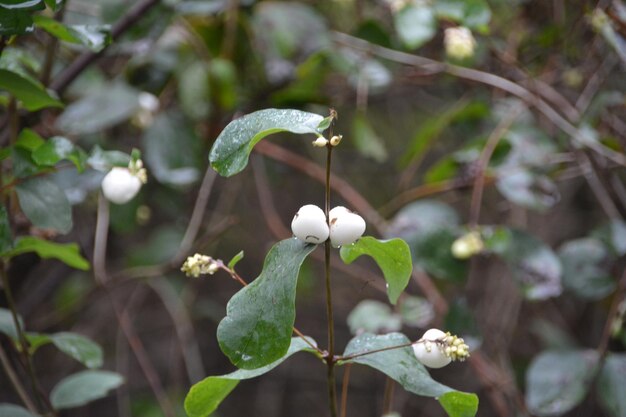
(198, 264)
(335, 140)
(467, 245)
(459, 42)
(320, 142)
(309, 224)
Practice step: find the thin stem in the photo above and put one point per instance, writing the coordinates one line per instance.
(15, 381)
(370, 352)
(99, 262)
(25, 351)
(330, 359)
(71, 72)
(483, 162)
(619, 297)
(199, 209)
(344, 389)
(390, 384)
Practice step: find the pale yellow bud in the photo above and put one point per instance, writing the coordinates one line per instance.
(320, 142)
(335, 140)
(459, 42)
(467, 245)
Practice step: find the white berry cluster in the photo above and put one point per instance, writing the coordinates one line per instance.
(121, 184)
(343, 227)
(436, 349)
(198, 264)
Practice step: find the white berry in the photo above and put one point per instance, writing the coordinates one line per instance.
(119, 186)
(429, 350)
(345, 226)
(309, 224)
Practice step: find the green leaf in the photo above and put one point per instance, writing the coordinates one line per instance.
(558, 381)
(232, 148)
(33, 95)
(173, 150)
(15, 22)
(611, 384)
(25, 5)
(57, 149)
(6, 237)
(470, 13)
(372, 316)
(416, 311)
(432, 253)
(81, 348)
(535, 266)
(527, 189)
(29, 139)
(68, 253)
(402, 366)
(366, 140)
(613, 235)
(45, 204)
(10, 410)
(83, 387)
(87, 116)
(583, 271)
(415, 25)
(95, 38)
(392, 256)
(102, 160)
(430, 227)
(459, 404)
(205, 396)
(194, 90)
(235, 260)
(7, 325)
(430, 130)
(259, 318)
(55, 5)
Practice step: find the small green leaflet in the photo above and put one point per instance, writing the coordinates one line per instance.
(68, 253)
(393, 256)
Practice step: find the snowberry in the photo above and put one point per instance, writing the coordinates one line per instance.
(345, 226)
(309, 224)
(430, 350)
(119, 186)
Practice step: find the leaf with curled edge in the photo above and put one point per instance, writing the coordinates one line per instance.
(231, 150)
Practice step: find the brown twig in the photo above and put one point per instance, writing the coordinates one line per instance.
(340, 186)
(272, 219)
(418, 192)
(618, 298)
(486, 78)
(197, 215)
(483, 161)
(42, 398)
(15, 381)
(344, 389)
(371, 352)
(99, 262)
(84, 60)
